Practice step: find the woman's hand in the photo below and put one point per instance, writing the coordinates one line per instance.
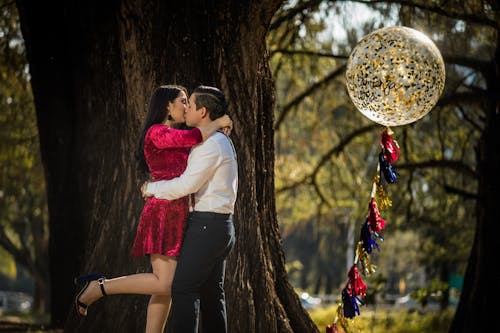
(226, 130)
(226, 124)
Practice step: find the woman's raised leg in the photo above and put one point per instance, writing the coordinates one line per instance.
(159, 282)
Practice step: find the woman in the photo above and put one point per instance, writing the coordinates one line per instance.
(162, 152)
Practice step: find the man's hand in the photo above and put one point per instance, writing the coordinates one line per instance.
(144, 186)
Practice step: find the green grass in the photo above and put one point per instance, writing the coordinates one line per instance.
(388, 320)
(370, 321)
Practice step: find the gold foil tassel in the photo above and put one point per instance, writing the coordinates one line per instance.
(342, 321)
(364, 259)
(381, 197)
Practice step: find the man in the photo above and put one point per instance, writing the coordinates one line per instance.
(212, 174)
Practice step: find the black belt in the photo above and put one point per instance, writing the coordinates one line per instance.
(197, 214)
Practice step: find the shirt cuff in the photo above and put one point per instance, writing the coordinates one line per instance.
(149, 190)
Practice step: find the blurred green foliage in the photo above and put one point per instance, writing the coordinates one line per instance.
(388, 321)
(326, 151)
(23, 210)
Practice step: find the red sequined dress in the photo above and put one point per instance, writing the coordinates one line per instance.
(162, 222)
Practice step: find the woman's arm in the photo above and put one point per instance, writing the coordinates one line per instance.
(225, 123)
(167, 137)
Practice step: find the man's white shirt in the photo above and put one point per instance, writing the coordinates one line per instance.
(211, 173)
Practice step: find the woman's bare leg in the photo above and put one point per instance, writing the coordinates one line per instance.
(159, 282)
(158, 309)
(159, 305)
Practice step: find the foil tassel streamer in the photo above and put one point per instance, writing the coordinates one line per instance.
(387, 170)
(366, 239)
(367, 268)
(350, 304)
(332, 328)
(355, 285)
(376, 222)
(377, 235)
(342, 320)
(382, 198)
(390, 146)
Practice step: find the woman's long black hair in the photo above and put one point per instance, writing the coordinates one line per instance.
(156, 115)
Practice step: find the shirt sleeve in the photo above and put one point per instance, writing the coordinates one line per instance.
(201, 166)
(167, 137)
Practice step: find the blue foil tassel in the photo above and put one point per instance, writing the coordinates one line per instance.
(350, 304)
(386, 170)
(350, 307)
(366, 238)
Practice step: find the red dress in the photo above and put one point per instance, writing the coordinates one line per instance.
(162, 222)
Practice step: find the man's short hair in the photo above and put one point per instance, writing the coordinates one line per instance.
(212, 99)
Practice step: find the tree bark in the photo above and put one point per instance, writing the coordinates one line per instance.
(478, 303)
(94, 66)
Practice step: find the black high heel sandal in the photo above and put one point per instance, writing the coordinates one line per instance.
(87, 278)
(86, 281)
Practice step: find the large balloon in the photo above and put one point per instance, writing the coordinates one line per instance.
(395, 75)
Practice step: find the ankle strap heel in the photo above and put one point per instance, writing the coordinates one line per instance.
(101, 285)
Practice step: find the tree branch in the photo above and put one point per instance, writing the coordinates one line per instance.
(286, 109)
(477, 64)
(309, 53)
(468, 97)
(471, 121)
(20, 255)
(289, 14)
(446, 12)
(317, 189)
(445, 164)
(310, 178)
(460, 192)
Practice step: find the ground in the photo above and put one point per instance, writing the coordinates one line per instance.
(13, 324)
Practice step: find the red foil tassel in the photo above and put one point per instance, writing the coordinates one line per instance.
(389, 146)
(355, 285)
(332, 328)
(376, 222)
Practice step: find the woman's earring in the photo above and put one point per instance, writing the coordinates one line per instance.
(169, 117)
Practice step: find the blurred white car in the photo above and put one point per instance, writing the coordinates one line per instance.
(11, 301)
(309, 302)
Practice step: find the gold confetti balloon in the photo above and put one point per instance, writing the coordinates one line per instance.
(395, 75)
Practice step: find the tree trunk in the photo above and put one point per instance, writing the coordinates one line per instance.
(94, 66)
(478, 304)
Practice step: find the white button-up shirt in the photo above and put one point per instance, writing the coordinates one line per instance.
(211, 173)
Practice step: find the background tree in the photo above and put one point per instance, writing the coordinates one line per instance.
(438, 150)
(93, 67)
(23, 214)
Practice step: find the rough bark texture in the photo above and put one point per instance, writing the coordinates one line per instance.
(94, 65)
(478, 304)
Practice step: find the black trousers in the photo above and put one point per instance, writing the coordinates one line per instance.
(198, 284)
